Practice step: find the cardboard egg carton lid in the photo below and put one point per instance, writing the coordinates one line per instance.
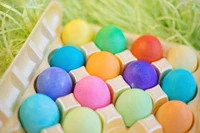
(18, 81)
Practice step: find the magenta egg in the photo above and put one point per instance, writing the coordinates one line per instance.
(92, 92)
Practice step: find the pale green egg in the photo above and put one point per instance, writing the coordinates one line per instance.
(82, 120)
(133, 105)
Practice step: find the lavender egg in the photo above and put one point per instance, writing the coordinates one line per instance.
(54, 82)
(140, 74)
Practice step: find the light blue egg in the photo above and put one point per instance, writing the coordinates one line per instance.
(38, 112)
(180, 85)
(67, 58)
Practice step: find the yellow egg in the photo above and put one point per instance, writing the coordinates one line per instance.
(182, 56)
(77, 32)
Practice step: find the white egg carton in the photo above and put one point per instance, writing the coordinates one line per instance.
(19, 80)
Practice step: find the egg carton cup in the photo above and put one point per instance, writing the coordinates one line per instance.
(18, 82)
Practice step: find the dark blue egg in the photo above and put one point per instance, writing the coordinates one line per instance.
(54, 82)
(140, 74)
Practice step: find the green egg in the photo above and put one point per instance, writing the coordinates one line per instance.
(111, 39)
(82, 120)
(133, 105)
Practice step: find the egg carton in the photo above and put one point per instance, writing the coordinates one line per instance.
(19, 80)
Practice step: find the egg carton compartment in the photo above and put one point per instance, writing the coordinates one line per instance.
(18, 82)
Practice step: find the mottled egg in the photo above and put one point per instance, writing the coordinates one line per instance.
(111, 39)
(147, 48)
(54, 82)
(38, 112)
(140, 74)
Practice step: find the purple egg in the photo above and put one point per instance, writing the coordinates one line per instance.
(140, 74)
(54, 82)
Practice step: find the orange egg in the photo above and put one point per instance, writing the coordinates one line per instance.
(147, 48)
(175, 117)
(103, 65)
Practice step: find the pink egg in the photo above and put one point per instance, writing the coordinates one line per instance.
(92, 92)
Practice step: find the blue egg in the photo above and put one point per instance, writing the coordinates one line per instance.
(140, 74)
(38, 112)
(54, 82)
(180, 85)
(67, 58)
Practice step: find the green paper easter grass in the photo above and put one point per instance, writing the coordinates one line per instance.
(17, 21)
(174, 21)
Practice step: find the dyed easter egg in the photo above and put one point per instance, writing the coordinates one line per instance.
(67, 58)
(175, 117)
(92, 92)
(140, 74)
(179, 84)
(133, 105)
(77, 32)
(111, 39)
(147, 48)
(38, 112)
(103, 65)
(54, 82)
(182, 56)
(82, 120)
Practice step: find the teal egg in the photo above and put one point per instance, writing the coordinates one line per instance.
(67, 58)
(38, 112)
(179, 84)
(110, 39)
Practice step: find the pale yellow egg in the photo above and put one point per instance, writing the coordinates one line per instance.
(184, 57)
(77, 32)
